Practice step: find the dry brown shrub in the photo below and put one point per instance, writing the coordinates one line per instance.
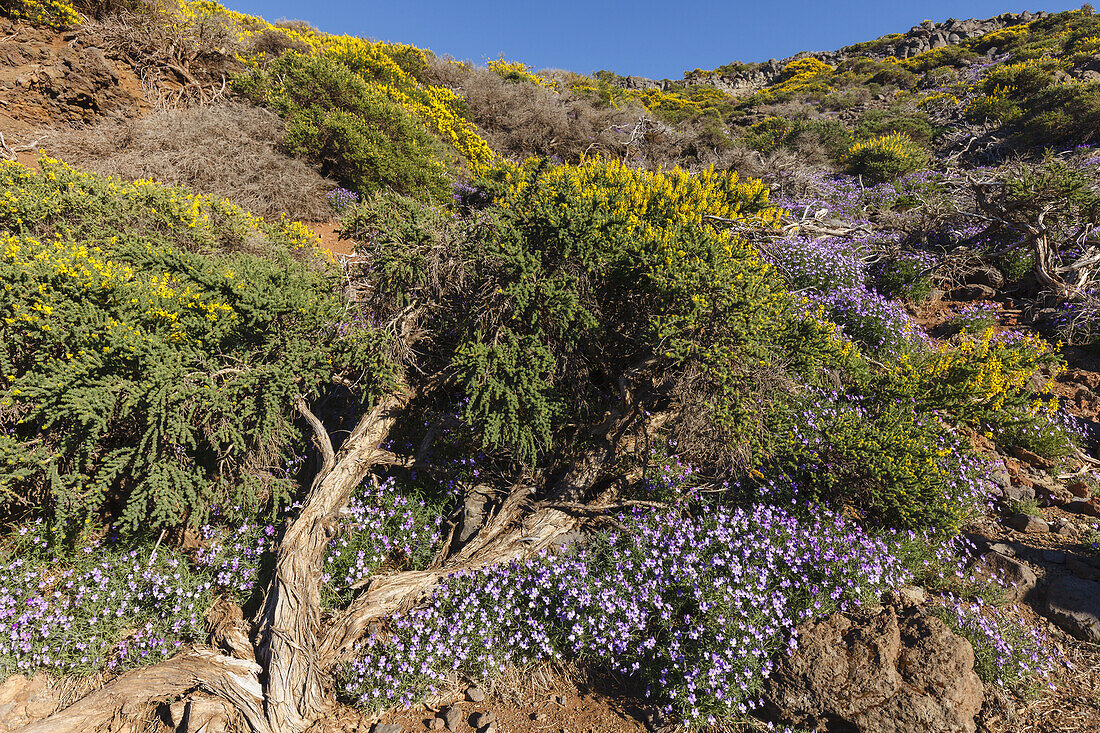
(228, 151)
(520, 120)
(272, 43)
(196, 54)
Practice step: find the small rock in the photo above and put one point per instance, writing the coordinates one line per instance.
(1002, 549)
(452, 717)
(436, 724)
(1063, 527)
(908, 595)
(1057, 557)
(1019, 493)
(480, 720)
(538, 717)
(1089, 508)
(1079, 489)
(1028, 524)
(1018, 578)
(387, 728)
(490, 728)
(1074, 604)
(475, 694)
(1031, 458)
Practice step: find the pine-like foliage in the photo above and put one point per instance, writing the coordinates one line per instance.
(151, 346)
(579, 281)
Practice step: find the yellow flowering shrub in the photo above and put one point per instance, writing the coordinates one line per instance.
(804, 77)
(151, 343)
(886, 157)
(938, 101)
(389, 69)
(660, 246)
(977, 376)
(516, 71)
(53, 13)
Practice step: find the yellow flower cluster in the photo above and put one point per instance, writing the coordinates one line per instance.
(388, 67)
(519, 71)
(638, 196)
(67, 271)
(938, 100)
(53, 193)
(896, 143)
(804, 76)
(53, 13)
(980, 373)
(805, 68)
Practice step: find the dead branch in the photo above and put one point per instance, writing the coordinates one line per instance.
(234, 680)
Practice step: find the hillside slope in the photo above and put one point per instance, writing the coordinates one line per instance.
(622, 404)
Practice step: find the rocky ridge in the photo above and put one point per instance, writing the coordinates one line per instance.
(740, 80)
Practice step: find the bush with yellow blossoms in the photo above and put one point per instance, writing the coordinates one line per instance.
(151, 345)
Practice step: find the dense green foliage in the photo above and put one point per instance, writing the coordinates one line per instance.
(153, 345)
(346, 126)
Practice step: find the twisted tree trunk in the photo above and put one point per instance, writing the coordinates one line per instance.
(279, 683)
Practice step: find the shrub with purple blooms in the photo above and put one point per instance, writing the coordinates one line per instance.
(696, 608)
(233, 556)
(341, 199)
(100, 608)
(1008, 652)
(887, 462)
(380, 527)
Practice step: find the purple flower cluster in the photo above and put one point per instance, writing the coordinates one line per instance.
(233, 556)
(833, 273)
(98, 609)
(849, 198)
(1008, 652)
(341, 199)
(879, 324)
(380, 527)
(820, 264)
(697, 608)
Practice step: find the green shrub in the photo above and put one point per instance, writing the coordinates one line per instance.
(1036, 433)
(881, 122)
(1063, 113)
(895, 75)
(348, 127)
(903, 277)
(886, 461)
(887, 157)
(152, 344)
(1015, 264)
(772, 133)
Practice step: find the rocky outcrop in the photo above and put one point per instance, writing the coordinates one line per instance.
(1074, 604)
(51, 77)
(928, 35)
(876, 676)
(743, 79)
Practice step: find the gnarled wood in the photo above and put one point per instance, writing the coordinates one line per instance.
(295, 685)
(234, 680)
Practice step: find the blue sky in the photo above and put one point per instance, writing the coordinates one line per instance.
(643, 37)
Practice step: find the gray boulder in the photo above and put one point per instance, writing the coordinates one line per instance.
(1074, 604)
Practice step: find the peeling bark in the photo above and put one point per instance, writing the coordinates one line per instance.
(280, 682)
(234, 680)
